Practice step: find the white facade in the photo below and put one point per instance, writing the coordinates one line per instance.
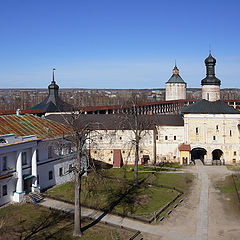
(211, 92)
(168, 139)
(27, 165)
(175, 91)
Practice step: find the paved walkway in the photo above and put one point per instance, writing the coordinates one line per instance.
(116, 220)
(202, 221)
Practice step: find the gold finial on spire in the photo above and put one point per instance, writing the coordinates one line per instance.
(175, 69)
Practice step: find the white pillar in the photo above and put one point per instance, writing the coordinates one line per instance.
(19, 187)
(18, 195)
(34, 168)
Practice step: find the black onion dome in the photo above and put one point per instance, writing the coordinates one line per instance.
(210, 59)
(210, 78)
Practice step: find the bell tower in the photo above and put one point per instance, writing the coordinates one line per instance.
(210, 84)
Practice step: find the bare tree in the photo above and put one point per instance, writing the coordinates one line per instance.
(140, 126)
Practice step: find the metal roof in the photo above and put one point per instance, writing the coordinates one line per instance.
(117, 121)
(175, 78)
(25, 125)
(207, 107)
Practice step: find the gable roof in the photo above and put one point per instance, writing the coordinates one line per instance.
(207, 107)
(118, 121)
(25, 125)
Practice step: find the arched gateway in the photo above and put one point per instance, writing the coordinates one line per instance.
(217, 157)
(198, 153)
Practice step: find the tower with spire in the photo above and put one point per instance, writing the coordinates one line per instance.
(53, 103)
(210, 84)
(175, 86)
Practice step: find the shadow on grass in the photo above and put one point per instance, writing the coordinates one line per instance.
(125, 196)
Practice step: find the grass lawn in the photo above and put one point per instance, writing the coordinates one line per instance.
(228, 190)
(233, 167)
(142, 201)
(23, 219)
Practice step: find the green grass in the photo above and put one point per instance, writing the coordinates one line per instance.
(233, 167)
(227, 186)
(229, 196)
(20, 219)
(142, 201)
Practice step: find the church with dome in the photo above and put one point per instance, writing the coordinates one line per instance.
(208, 129)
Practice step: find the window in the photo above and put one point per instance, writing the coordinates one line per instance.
(214, 138)
(208, 96)
(60, 171)
(111, 151)
(230, 133)
(166, 138)
(4, 163)
(69, 148)
(2, 141)
(175, 137)
(95, 152)
(100, 138)
(123, 151)
(4, 190)
(235, 153)
(109, 160)
(70, 167)
(197, 130)
(156, 137)
(216, 127)
(50, 151)
(24, 158)
(37, 152)
(37, 179)
(50, 175)
(120, 138)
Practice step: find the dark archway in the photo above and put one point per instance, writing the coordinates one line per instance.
(198, 153)
(217, 156)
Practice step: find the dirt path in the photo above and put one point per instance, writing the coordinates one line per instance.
(206, 214)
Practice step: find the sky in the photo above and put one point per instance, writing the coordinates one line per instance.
(117, 43)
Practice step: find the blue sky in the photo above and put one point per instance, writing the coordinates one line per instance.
(117, 43)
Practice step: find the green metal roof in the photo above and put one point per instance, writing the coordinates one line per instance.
(175, 78)
(206, 107)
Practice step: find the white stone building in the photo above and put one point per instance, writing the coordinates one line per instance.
(175, 86)
(33, 156)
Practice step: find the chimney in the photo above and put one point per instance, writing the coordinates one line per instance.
(18, 112)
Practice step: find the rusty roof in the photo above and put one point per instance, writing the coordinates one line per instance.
(25, 125)
(184, 147)
(32, 111)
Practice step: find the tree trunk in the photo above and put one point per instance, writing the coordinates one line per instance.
(136, 160)
(77, 210)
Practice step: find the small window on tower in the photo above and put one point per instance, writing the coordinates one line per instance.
(214, 138)
(175, 137)
(197, 130)
(208, 96)
(217, 127)
(230, 133)
(166, 137)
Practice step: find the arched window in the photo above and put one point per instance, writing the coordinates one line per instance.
(2, 140)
